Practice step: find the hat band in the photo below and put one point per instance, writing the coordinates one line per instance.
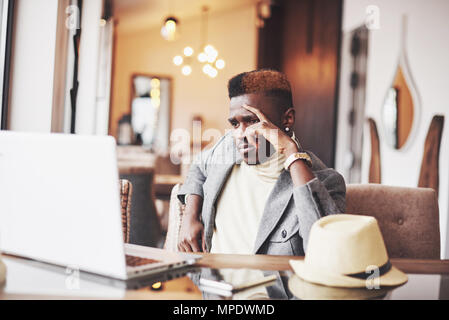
(365, 275)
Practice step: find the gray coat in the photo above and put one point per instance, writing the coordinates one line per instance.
(289, 212)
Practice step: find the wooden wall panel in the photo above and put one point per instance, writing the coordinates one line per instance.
(429, 174)
(375, 175)
(307, 41)
(269, 53)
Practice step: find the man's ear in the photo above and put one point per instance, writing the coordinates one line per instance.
(288, 119)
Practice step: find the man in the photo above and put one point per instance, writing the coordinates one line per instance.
(257, 190)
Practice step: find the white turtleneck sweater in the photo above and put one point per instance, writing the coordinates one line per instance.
(239, 211)
(241, 204)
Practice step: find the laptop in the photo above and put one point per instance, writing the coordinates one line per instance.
(60, 204)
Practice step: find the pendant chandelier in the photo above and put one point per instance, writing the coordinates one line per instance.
(208, 56)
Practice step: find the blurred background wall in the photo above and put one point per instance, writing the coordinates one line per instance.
(33, 65)
(233, 32)
(427, 51)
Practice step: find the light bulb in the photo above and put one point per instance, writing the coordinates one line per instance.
(188, 51)
(202, 57)
(169, 29)
(178, 60)
(220, 64)
(155, 93)
(211, 53)
(170, 26)
(155, 83)
(213, 72)
(211, 58)
(209, 49)
(156, 102)
(186, 70)
(207, 68)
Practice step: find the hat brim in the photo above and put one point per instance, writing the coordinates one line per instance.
(394, 277)
(309, 291)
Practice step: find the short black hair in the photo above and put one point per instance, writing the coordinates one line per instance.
(269, 82)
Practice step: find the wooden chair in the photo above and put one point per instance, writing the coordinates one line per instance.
(408, 217)
(145, 229)
(126, 190)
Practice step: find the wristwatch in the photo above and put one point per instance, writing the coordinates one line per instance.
(297, 156)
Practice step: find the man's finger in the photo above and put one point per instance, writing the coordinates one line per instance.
(257, 112)
(181, 247)
(203, 241)
(186, 246)
(194, 245)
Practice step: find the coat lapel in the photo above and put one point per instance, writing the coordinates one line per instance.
(275, 206)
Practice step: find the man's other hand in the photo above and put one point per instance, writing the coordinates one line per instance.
(191, 234)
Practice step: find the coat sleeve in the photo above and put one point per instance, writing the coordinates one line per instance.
(195, 178)
(320, 197)
(201, 165)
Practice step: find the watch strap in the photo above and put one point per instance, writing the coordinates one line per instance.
(297, 156)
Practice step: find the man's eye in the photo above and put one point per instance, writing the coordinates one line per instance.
(234, 124)
(254, 121)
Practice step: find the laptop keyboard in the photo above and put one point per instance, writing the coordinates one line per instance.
(133, 261)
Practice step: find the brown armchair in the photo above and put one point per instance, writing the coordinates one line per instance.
(407, 217)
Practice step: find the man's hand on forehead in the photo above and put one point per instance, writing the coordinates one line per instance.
(281, 141)
(256, 111)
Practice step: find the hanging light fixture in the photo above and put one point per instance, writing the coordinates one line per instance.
(169, 30)
(208, 55)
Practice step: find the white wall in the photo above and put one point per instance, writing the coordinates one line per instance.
(428, 52)
(32, 71)
(88, 67)
(34, 57)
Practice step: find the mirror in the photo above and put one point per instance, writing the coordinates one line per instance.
(399, 113)
(150, 111)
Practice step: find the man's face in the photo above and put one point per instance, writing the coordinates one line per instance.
(241, 118)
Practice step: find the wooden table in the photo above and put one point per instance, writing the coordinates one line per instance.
(32, 280)
(267, 262)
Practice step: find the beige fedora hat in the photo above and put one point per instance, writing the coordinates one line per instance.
(346, 250)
